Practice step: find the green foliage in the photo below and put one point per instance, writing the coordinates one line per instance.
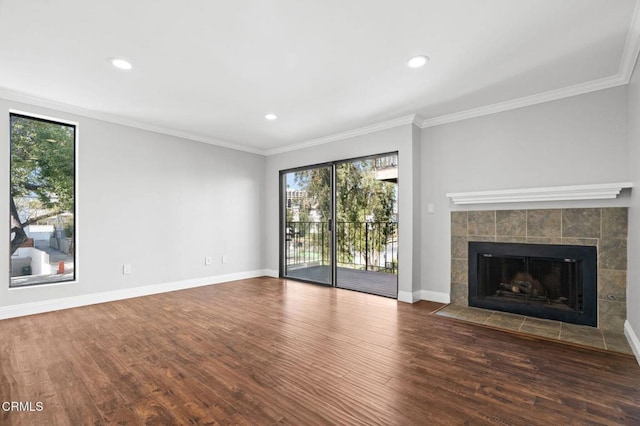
(362, 198)
(68, 230)
(42, 173)
(317, 183)
(364, 205)
(42, 162)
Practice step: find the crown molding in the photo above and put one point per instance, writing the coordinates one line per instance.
(627, 63)
(551, 95)
(557, 193)
(408, 119)
(25, 98)
(417, 120)
(111, 118)
(628, 60)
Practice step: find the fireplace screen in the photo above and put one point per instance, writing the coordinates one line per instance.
(546, 281)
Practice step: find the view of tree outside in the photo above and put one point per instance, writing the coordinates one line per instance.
(366, 217)
(307, 227)
(366, 214)
(42, 203)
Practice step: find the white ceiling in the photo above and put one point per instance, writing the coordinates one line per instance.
(210, 70)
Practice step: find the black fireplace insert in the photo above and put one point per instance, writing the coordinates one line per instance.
(549, 281)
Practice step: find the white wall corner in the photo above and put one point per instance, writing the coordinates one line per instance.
(24, 309)
(631, 47)
(632, 338)
(408, 297)
(273, 273)
(418, 120)
(435, 296)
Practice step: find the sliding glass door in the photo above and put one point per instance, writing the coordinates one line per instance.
(367, 226)
(339, 224)
(307, 232)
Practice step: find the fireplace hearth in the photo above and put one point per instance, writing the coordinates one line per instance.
(605, 229)
(548, 281)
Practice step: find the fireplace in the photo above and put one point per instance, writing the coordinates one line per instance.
(557, 282)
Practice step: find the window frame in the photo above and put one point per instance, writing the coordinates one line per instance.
(76, 239)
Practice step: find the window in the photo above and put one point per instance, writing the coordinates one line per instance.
(42, 201)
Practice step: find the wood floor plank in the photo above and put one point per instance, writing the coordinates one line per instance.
(270, 351)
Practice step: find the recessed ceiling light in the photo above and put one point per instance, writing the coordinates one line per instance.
(121, 64)
(271, 117)
(417, 61)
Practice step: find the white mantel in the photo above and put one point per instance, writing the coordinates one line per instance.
(557, 193)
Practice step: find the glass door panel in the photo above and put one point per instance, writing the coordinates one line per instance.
(367, 225)
(307, 196)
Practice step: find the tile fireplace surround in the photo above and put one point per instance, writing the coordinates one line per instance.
(605, 228)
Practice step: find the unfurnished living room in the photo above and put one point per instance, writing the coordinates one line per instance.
(271, 212)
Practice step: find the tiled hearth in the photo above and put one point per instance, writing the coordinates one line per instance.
(605, 228)
(548, 329)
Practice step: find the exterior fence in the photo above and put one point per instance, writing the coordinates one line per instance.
(369, 246)
(386, 162)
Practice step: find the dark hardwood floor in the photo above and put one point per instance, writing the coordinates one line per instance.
(269, 351)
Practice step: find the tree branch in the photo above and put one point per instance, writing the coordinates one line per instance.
(33, 220)
(20, 236)
(31, 187)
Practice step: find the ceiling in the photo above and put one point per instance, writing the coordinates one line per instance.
(210, 70)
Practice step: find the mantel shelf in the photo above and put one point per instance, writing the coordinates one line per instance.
(556, 193)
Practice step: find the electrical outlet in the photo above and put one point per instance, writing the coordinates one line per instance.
(207, 260)
(126, 269)
(225, 259)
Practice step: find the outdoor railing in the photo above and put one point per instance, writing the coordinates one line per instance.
(369, 246)
(386, 162)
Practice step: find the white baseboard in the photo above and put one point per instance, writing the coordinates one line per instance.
(435, 296)
(432, 296)
(408, 297)
(273, 273)
(632, 337)
(110, 296)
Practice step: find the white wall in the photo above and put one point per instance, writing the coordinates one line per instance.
(39, 260)
(161, 203)
(577, 140)
(156, 202)
(633, 249)
(39, 232)
(402, 139)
